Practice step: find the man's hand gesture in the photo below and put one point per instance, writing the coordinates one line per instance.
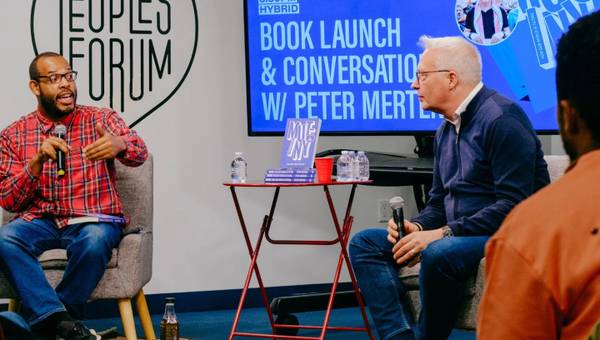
(106, 147)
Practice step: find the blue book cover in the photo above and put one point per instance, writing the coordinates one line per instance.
(286, 172)
(95, 218)
(289, 180)
(290, 176)
(308, 177)
(300, 143)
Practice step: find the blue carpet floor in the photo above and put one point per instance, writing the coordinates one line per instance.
(216, 325)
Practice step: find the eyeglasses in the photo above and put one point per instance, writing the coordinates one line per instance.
(422, 75)
(55, 78)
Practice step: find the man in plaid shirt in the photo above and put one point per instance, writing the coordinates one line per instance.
(44, 200)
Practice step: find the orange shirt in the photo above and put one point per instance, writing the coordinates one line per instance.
(543, 265)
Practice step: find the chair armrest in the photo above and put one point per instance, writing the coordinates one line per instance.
(135, 250)
(132, 229)
(133, 270)
(480, 280)
(467, 316)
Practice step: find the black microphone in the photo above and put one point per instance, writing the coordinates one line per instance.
(60, 131)
(397, 203)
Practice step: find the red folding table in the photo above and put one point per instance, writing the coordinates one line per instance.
(343, 234)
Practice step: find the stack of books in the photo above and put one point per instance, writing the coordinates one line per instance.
(290, 175)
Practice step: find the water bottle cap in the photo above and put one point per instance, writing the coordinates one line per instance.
(344, 152)
(170, 299)
(238, 153)
(361, 152)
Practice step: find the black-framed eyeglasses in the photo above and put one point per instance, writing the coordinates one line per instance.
(55, 78)
(422, 75)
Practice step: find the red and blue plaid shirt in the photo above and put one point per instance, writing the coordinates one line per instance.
(88, 187)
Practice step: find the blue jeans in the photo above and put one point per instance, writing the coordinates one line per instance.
(89, 248)
(446, 264)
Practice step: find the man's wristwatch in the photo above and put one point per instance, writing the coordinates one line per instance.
(447, 232)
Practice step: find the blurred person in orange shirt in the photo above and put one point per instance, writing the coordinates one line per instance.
(543, 265)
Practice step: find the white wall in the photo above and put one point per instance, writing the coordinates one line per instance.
(198, 245)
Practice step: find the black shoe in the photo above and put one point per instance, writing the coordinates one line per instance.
(40, 335)
(74, 330)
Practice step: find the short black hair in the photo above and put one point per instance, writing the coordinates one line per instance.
(33, 70)
(578, 70)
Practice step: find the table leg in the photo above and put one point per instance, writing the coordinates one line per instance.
(253, 268)
(344, 235)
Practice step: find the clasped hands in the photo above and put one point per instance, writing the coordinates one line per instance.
(498, 36)
(407, 250)
(107, 146)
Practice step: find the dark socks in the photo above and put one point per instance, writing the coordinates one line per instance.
(46, 329)
(52, 320)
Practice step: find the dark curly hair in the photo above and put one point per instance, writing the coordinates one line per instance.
(578, 70)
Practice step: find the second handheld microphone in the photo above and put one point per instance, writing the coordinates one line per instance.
(397, 203)
(60, 131)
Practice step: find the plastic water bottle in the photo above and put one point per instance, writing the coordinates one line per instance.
(343, 167)
(239, 168)
(363, 166)
(169, 326)
(353, 172)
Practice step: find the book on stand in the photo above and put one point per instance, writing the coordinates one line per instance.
(297, 152)
(300, 143)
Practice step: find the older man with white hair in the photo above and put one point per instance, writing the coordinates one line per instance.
(487, 159)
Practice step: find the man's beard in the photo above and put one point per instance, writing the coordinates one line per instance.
(51, 109)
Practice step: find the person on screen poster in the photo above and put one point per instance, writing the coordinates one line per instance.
(462, 8)
(513, 11)
(487, 158)
(461, 15)
(487, 23)
(45, 199)
(542, 277)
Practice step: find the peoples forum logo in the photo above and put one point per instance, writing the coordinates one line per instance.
(132, 55)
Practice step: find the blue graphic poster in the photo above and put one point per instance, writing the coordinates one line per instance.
(351, 63)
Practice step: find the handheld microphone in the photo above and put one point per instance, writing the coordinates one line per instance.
(60, 131)
(397, 203)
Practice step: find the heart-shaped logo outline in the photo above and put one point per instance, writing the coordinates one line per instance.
(168, 97)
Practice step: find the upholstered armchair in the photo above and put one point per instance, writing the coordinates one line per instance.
(130, 267)
(467, 316)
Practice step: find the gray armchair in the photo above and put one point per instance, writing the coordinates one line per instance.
(467, 316)
(130, 267)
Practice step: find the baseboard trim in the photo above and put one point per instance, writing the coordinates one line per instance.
(209, 300)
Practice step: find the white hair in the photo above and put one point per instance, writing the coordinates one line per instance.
(457, 54)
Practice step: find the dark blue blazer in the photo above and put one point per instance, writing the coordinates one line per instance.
(481, 173)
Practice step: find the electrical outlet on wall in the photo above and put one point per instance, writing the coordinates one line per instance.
(384, 212)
